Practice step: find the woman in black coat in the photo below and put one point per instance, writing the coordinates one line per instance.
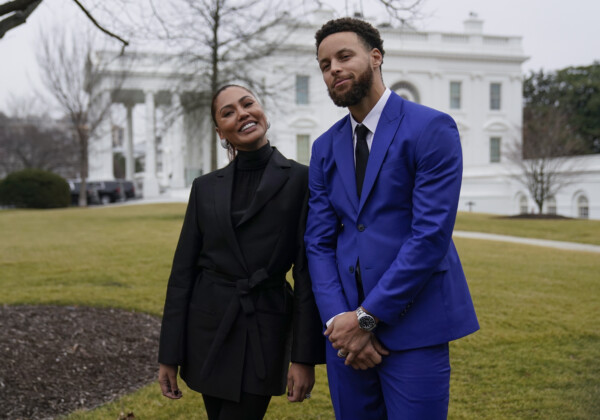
(231, 322)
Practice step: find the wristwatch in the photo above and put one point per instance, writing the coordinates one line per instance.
(365, 321)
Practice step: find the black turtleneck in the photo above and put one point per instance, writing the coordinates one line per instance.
(249, 167)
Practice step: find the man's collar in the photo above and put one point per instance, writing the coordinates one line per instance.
(372, 118)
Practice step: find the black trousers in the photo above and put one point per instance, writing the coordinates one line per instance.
(250, 407)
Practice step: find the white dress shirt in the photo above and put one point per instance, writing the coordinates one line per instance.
(370, 121)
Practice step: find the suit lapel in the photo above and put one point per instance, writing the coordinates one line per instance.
(222, 193)
(343, 152)
(384, 135)
(274, 177)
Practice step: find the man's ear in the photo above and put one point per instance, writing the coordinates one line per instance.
(376, 58)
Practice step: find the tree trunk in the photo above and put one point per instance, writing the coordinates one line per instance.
(83, 167)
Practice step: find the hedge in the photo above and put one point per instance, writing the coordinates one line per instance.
(36, 189)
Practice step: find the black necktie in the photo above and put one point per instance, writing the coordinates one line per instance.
(362, 155)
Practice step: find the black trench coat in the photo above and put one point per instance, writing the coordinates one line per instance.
(231, 321)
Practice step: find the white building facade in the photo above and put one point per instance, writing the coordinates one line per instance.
(476, 78)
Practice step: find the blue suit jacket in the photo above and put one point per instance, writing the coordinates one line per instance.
(400, 229)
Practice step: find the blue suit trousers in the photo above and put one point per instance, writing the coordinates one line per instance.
(408, 385)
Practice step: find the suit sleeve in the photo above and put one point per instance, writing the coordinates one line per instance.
(321, 240)
(438, 176)
(308, 345)
(181, 282)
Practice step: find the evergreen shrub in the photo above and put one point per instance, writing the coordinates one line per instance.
(35, 189)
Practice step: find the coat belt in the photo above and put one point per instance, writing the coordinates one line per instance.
(259, 280)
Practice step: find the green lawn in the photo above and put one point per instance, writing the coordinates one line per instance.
(570, 230)
(537, 355)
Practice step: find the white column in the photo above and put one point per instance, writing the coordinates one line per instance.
(206, 127)
(150, 180)
(100, 150)
(440, 90)
(129, 160)
(177, 145)
(479, 153)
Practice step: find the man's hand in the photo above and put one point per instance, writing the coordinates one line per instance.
(369, 356)
(167, 379)
(345, 334)
(362, 348)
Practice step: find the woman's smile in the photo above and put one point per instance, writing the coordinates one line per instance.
(240, 119)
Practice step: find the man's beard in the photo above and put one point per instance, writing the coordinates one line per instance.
(359, 89)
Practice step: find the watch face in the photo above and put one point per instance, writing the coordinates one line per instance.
(366, 322)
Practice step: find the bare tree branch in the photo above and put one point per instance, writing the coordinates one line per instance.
(106, 31)
(20, 9)
(162, 22)
(400, 9)
(17, 6)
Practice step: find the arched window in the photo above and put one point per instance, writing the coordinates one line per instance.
(551, 205)
(523, 205)
(583, 209)
(407, 91)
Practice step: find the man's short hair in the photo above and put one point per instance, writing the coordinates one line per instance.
(365, 31)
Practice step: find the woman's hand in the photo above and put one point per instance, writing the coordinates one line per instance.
(167, 379)
(300, 381)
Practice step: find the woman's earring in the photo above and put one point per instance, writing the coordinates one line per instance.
(224, 144)
(268, 124)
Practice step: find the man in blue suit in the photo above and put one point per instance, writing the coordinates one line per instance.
(384, 185)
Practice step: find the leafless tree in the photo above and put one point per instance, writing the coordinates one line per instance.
(224, 41)
(72, 82)
(220, 41)
(16, 12)
(543, 160)
(38, 142)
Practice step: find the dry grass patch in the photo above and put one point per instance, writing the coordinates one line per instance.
(537, 355)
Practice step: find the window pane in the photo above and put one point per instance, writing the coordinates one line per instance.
(303, 148)
(455, 95)
(301, 90)
(523, 205)
(582, 204)
(551, 206)
(494, 149)
(495, 92)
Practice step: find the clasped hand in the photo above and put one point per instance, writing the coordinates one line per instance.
(363, 349)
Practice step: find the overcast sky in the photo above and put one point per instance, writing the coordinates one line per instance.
(556, 33)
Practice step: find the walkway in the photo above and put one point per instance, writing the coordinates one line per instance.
(570, 246)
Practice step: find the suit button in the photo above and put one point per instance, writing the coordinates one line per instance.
(351, 269)
(361, 228)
